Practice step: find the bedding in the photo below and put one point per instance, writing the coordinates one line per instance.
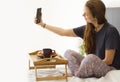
(112, 76)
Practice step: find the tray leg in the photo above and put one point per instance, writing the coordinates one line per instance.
(29, 64)
(36, 72)
(66, 72)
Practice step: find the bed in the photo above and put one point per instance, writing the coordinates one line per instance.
(112, 76)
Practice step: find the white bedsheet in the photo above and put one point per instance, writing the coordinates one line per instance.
(112, 76)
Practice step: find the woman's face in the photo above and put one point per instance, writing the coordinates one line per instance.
(88, 16)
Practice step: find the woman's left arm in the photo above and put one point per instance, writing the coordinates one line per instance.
(109, 56)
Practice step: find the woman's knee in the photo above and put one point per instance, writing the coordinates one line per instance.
(69, 53)
(89, 59)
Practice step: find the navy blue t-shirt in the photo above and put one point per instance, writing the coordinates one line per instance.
(107, 38)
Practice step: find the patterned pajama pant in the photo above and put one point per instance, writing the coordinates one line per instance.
(89, 66)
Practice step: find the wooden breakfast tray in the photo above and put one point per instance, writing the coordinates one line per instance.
(47, 61)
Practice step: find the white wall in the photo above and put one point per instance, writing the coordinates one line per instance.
(112, 3)
(61, 13)
(19, 35)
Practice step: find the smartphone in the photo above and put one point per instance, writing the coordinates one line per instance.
(38, 15)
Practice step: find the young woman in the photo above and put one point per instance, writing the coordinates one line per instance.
(101, 42)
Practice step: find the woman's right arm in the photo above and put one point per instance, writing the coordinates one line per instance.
(58, 30)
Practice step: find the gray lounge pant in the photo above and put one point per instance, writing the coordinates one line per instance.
(89, 66)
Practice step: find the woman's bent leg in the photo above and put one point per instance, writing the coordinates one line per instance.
(74, 60)
(91, 66)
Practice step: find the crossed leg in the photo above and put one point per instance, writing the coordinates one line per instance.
(88, 66)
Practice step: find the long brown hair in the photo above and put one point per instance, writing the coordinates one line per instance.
(97, 9)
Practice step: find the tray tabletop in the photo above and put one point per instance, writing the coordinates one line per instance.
(47, 61)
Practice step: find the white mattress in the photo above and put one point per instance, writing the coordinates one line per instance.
(112, 76)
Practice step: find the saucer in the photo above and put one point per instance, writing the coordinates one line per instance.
(41, 55)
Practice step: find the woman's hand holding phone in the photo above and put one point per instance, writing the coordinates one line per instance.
(38, 18)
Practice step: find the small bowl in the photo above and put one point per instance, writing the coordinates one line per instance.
(41, 57)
